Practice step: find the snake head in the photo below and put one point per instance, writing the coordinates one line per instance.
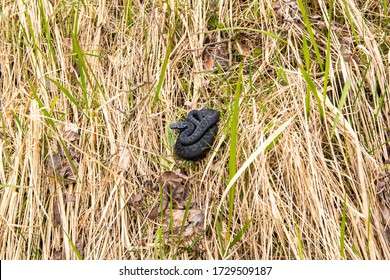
(181, 126)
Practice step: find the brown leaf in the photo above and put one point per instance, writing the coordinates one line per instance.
(195, 218)
(66, 175)
(54, 162)
(135, 198)
(356, 57)
(243, 48)
(181, 196)
(124, 159)
(177, 217)
(347, 55)
(287, 10)
(80, 244)
(155, 212)
(385, 213)
(135, 202)
(189, 230)
(57, 255)
(71, 132)
(215, 52)
(222, 57)
(74, 153)
(322, 24)
(208, 62)
(179, 193)
(315, 17)
(56, 213)
(170, 176)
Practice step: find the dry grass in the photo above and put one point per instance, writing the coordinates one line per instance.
(80, 133)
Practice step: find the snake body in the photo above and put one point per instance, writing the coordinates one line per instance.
(196, 134)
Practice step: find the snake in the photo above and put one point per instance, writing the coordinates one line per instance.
(196, 134)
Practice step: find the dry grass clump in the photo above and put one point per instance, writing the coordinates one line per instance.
(299, 169)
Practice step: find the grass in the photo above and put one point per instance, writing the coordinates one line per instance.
(89, 89)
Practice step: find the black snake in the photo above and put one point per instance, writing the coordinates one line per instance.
(196, 134)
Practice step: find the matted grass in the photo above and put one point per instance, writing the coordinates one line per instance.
(298, 169)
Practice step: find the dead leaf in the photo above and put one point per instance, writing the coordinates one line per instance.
(287, 10)
(57, 255)
(71, 132)
(178, 191)
(208, 62)
(181, 195)
(195, 219)
(135, 202)
(54, 162)
(243, 48)
(58, 166)
(189, 230)
(80, 244)
(74, 153)
(215, 52)
(56, 213)
(177, 217)
(322, 24)
(222, 57)
(156, 211)
(170, 176)
(383, 182)
(66, 175)
(124, 159)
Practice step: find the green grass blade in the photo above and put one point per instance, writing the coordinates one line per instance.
(341, 105)
(218, 229)
(239, 235)
(66, 93)
(328, 56)
(306, 53)
(162, 73)
(300, 245)
(233, 145)
(165, 64)
(49, 121)
(157, 244)
(311, 34)
(74, 248)
(313, 89)
(129, 12)
(282, 75)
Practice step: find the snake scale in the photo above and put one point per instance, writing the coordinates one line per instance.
(196, 134)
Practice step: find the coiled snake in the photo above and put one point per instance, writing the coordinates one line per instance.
(196, 134)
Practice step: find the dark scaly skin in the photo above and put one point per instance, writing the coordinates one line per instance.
(198, 123)
(197, 134)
